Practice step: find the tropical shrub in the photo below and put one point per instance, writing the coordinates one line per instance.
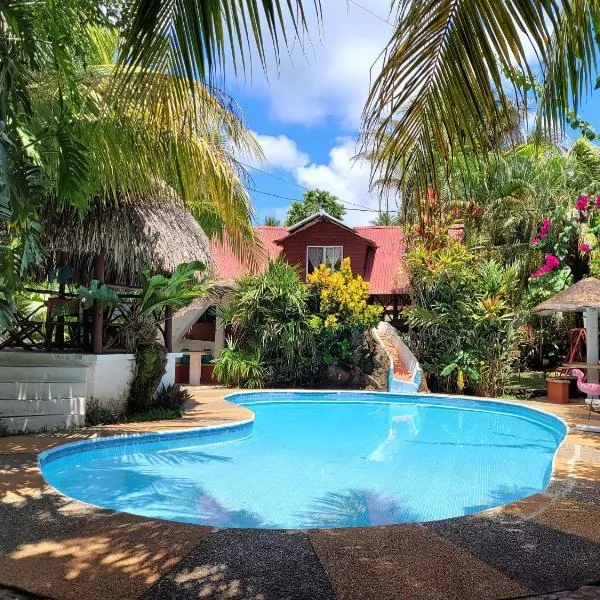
(461, 318)
(237, 367)
(269, 317)
(288, 333)
(139, 323)
(341, 313)
(171, 398)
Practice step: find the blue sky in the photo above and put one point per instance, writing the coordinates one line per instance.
(307, 114)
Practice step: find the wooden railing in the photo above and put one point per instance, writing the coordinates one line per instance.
(68, 326)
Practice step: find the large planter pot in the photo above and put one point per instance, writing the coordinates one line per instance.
(558, 390)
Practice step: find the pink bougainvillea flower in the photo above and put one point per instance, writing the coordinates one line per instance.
(584, 247)
(582, 202)
(535, 241)
(550, 263)
(597, 202)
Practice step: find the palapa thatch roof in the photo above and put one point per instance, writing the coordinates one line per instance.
(155, 232)
(576, 298)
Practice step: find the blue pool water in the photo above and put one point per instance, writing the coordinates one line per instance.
(321, 460)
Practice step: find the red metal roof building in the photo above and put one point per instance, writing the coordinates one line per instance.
(376, 253)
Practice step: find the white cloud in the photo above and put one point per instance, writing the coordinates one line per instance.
(327, 77)
(346, 178)
(281, 152)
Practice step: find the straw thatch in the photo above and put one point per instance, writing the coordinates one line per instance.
(576, 298)
(155, 232)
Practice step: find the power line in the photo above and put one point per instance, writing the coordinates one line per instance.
(360, 209)
(274, 176)
(372, 13)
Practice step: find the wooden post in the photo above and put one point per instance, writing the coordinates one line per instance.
(97, 310)
(169, 328)
(60, 321)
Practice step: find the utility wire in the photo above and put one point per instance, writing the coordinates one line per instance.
(372, 13)
(274, 176)
(360, 209)
(297, 185)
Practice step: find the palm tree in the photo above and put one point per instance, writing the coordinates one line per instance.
(453, 69)
(76, 126)
(271, 221)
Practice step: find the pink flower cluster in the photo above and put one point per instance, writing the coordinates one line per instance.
(583, 203)
(549, 265)
(584, 247)
(543, 232)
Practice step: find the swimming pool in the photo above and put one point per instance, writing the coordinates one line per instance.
(329, 459)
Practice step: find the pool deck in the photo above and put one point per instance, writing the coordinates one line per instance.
(54, 547)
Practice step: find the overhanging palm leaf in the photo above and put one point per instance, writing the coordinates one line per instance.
(442, 86)
(202, 34)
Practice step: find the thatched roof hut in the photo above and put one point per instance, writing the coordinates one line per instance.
(579, 297)
(583, 296)
(155, 232)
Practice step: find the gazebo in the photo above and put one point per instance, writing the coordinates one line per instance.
(115, 239)
(584, 297)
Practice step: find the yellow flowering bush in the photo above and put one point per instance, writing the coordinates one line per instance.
(342, 298)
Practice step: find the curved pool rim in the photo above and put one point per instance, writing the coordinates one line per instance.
(237, 429)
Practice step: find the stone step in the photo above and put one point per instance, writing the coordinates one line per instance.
(40, 422)
(46, 373)
(53, 406)
(42, 390)
(46, 359)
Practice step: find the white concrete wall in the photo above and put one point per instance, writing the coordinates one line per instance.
(109, 378)
(169, 376)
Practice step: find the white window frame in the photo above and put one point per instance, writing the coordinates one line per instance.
(324, 253)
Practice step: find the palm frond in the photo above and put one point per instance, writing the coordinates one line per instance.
(442, 86)
(199, 36)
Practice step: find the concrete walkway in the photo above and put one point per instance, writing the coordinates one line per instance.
(55, 547)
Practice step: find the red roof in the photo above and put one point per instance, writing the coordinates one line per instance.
(230, 268)
(387, 274)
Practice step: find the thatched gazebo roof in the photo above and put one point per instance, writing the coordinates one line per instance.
(155, 232)
(579, 297)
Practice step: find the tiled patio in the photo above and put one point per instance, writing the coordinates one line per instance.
(59, 548)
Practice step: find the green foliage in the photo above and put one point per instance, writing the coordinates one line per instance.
(272, 221)
(150, 363)
(312, 202)
(269, 316)
(237, 367)
(96, 414)
(288, 333)
(97, 292)
(442, 89)
(462, 318)
(176, 290)
(171, 398)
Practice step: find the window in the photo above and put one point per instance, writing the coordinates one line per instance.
(323, 255)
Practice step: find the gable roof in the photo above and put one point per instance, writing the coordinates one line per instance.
(386, 274)
(320, 217)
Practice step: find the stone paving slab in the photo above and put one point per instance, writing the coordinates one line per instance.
(540, 557)
(118, 556)
(406, 561)
(246, 564)
(583, 593)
